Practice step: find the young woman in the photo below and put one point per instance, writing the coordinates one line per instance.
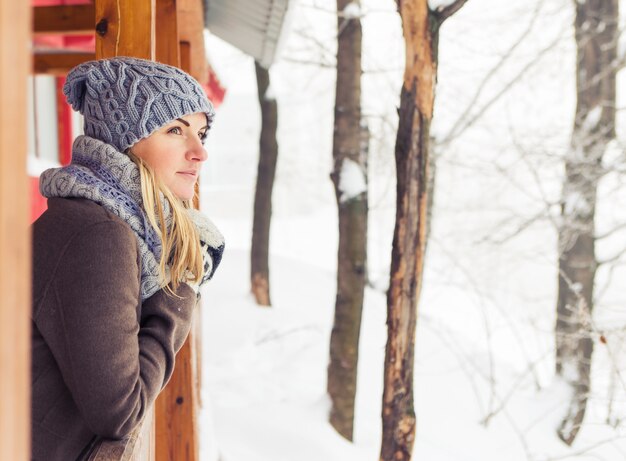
(119, 256)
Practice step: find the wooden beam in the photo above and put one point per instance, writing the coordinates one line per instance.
(15, 254)
(177, 406)
(176, 411)
(191, 31)
(58, 63)
(125, 28)
(186, 64)
(66, 19)
(167, 50)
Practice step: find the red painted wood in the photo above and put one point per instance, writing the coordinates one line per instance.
(64, 119)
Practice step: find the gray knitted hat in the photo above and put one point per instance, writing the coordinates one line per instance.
(125, 99)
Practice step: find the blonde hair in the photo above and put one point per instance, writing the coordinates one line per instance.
(180, 244)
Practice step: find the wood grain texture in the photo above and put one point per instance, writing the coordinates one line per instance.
(191, 31)
(15, 254)
(177, 406)
(167, 49)
(66, 19)
(125, 28)
(176, 414)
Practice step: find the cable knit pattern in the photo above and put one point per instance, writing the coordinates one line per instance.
(125, 99)
(100, 173)
(211, 243)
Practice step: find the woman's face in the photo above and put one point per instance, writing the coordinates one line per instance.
(175, 152)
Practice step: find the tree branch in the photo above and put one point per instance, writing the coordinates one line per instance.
(612, 259)
(458, 128)
(503, 60)
(444, 13)
(611, 232)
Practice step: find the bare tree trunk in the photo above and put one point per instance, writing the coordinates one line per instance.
(430, 190)
(268, 154)
(594, 126)
(350, 180)
(421, 31)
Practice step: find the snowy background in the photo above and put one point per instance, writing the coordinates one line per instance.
(484, 353)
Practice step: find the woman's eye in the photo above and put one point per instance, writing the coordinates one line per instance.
(175, 130)
(203, 135)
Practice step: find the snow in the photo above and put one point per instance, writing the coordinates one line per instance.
(269, 93)
(352, 11)
(576, 287)
(264, 371)
(435, 5)
(577, 203)
(485, 387)
(592, 119)
(351, 180)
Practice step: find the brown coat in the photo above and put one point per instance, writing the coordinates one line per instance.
(99, 356)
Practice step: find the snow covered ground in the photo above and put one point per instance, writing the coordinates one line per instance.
(265, 370)
(483, 381)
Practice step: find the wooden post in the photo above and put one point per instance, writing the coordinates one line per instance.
(191, 14)
(167, 50)
(125, 28)
(176, 414)
(15, 286)
(176, 406)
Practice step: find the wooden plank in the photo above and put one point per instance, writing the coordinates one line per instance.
(177, 406)
(66, 19)
(58, 63)
(125, 28)
(15, 253)
(191, 31)
(176, 411)
(167, 50)
(185, 64)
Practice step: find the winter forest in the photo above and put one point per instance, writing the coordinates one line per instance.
(424, 206)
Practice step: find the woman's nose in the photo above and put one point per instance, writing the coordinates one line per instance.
(196, 150)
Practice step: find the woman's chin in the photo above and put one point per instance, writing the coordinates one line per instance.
(184, 194)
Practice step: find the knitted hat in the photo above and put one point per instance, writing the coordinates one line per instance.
(125, 99)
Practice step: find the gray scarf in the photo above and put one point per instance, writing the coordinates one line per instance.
(99, 172)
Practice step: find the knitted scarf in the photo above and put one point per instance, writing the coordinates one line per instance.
(99, 172)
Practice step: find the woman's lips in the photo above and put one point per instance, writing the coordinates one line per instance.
(189, 174)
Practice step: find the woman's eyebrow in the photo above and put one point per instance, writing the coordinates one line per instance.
(186, 123)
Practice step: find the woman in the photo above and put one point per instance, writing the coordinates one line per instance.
(119, 256)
